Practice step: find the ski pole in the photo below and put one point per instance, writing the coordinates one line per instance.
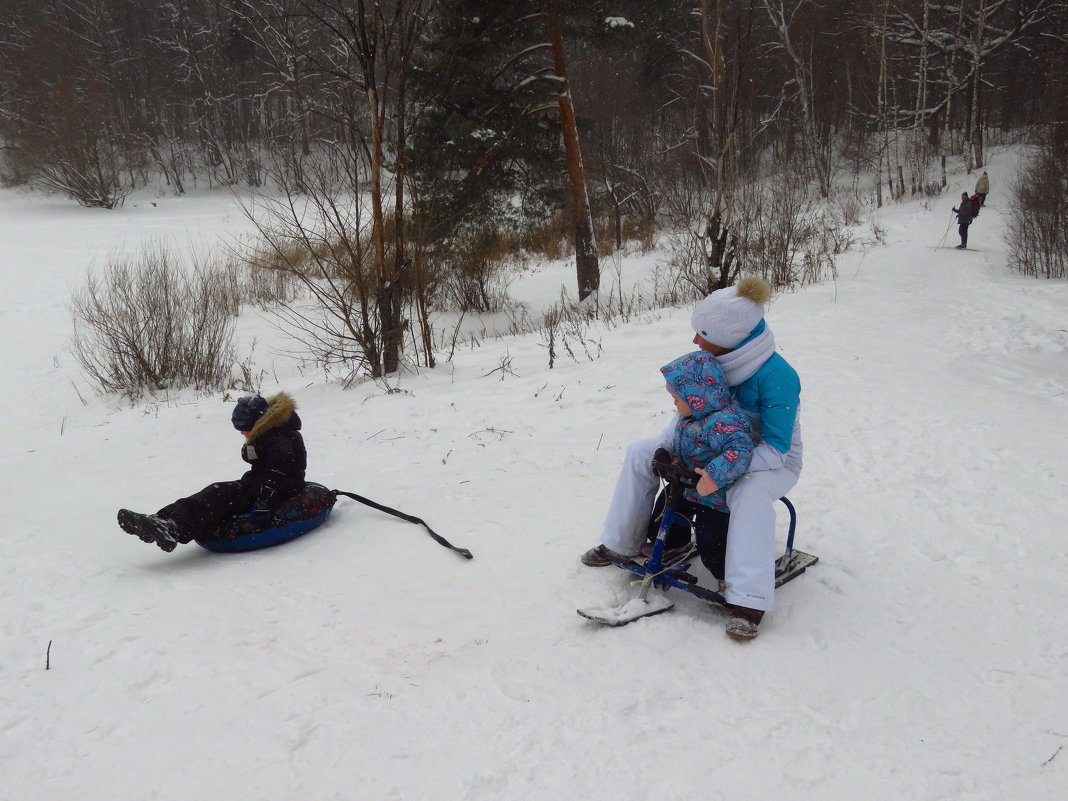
(943, 239)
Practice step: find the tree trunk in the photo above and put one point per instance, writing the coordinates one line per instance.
(386, 289)
(975, 122)
(586, 264)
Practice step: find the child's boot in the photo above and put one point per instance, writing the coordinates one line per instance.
(150, 528)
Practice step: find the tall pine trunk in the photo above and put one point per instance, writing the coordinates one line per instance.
(586, 264)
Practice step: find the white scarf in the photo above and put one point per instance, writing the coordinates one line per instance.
(739, 365)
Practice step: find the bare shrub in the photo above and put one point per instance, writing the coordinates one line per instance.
(322, 240)
(475, 277)
(626, 233)
(704, 258)
(266, 288)
(13, 171)
(615, 302)
(850, 207)
(778, 230)
(553, 238)
(147, 325)
(258, 284)
(1038, 218)
(68, 143)
(87, 169)
(565, 329)
(781, 221)
(704, 231)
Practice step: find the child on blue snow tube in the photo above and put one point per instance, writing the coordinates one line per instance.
(275, 450)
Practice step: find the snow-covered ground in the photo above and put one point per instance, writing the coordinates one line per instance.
(924, 658)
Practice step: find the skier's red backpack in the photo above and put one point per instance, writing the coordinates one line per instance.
(977, 203)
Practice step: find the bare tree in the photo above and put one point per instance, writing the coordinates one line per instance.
(784, 16)
(1037, 232)
(355, 268)
(960, 42)
(721, 133)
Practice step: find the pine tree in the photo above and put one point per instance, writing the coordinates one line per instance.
(497, 107)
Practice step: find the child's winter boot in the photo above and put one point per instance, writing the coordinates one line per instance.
(150, 528)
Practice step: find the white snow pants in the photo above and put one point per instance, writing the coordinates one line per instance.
(627, 520)
(750, 566)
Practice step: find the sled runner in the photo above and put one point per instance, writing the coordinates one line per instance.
(665, 572)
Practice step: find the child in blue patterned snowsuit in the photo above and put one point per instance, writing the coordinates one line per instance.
(711, 436)
(708, 435)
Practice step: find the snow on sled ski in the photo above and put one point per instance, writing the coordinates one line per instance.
(629, 611)
(665, 574)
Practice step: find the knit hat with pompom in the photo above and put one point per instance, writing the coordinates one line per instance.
(728, 316)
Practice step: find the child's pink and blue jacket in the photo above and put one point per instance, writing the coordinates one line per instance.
(718, 437)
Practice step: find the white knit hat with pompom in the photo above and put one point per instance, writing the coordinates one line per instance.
(728, 316)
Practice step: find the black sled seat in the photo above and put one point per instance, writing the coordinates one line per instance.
(292, 518)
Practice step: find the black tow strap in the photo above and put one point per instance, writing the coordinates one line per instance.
(466, 554)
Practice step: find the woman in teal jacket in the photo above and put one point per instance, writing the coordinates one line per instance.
(730, 325)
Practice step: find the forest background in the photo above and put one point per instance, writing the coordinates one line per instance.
(411, 152)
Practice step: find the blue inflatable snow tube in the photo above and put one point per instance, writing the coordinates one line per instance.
(293, 518)
(267, 537)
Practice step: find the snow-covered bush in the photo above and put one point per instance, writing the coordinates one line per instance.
(1037, 232)
(147, 325)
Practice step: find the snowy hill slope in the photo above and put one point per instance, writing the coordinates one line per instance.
(923, 658)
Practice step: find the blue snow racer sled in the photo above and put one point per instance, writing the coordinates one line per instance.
(665, 572)
(296, 516)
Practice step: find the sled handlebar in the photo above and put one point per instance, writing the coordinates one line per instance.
(673, 473)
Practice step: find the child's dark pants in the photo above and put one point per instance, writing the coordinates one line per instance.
(710, 532)
(199, 514)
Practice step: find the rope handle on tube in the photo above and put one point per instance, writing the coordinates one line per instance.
(466, 554)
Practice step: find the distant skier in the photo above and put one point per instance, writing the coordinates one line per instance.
(275, 449)
(965, 215)
(982, 187)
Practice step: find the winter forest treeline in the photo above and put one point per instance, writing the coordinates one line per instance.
(474, 127)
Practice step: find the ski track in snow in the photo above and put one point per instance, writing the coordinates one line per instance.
(922, 659)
